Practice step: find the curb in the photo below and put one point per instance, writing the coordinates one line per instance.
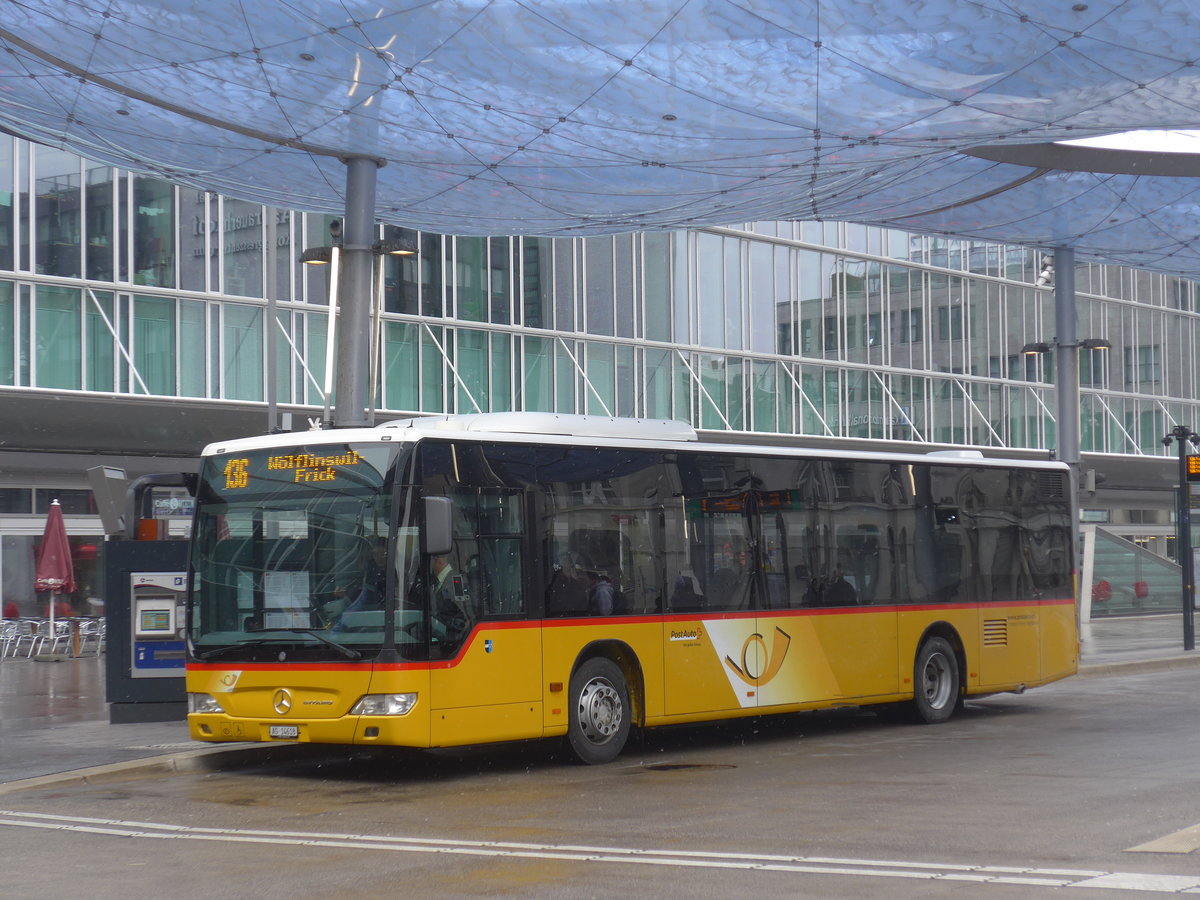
(1137, 666)
(204, 759)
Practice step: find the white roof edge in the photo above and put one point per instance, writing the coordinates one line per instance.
(957, 454)
(607, 430)
(551, 424)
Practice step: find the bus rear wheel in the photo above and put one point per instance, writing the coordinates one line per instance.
(936, 681)
(599, 718)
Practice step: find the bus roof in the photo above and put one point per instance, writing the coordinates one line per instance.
(596, 431)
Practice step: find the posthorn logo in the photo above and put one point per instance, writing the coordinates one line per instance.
(758, 666)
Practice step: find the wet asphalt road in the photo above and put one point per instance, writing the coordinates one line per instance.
(1016, 797)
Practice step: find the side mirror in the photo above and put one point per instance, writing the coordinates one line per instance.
(437, 538)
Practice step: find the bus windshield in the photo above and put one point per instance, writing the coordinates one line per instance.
(290, 553)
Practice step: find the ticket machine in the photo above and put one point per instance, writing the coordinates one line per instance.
(157, 624)
(145, 584)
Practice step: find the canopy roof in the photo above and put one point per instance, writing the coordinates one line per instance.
(562, 117)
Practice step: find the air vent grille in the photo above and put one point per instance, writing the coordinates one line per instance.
(1052, 485)
(995, 632)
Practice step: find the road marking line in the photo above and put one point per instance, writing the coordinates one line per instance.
(1186, 840)
(1008, 875)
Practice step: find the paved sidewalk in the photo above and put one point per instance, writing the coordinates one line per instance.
(54, 721)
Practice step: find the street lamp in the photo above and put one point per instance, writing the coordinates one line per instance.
(1182, 436)
(356, 384)
(1045, 347)
(1067, 391)
(323, 256)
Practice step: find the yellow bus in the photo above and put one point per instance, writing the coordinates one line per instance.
(465, 579)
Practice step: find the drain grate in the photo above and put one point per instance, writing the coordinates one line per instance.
(676, 767)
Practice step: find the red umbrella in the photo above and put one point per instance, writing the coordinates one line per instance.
(54, 571)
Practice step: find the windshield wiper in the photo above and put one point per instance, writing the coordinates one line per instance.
(258, 642)
(324, 638)
(219, 651)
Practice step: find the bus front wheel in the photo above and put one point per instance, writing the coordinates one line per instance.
(599, 719)
(936, 681)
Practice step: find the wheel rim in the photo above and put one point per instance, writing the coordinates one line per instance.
(937, 681)
(600, 710)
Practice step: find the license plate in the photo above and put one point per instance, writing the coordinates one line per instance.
(284, 731)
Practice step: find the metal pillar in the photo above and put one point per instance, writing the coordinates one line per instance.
(1067, 361)
(354, 294)
(1067, 371)
(271, 289)
(1181, 434)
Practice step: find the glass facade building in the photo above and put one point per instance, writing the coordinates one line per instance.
(116, 287)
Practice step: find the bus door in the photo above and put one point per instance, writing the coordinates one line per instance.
(486, 671)
(786, 660)
(710, 610)
(818, 637)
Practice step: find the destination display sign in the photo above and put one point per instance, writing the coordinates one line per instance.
(299, 468)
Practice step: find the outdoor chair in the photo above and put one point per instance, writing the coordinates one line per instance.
(9, 629)
(29, 637)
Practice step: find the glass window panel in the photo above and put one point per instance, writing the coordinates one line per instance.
(317, 332)
(735, 305)
(243, 352)
(594, 564)
(401, 375)
(764, 298)
(626, 386)
(58, 212)
(154, 343)
(537, 286)
(7, 331)
(471, 360)
(764, 397)
(318, 279)
(537, 376)
(154, 232)
(598, 253)
(710, 283)
(433, 369)
(58, 342)
(471, 278)
(192, 345)
(7, 220)
(657, 285)
(242, 231)
(16, 501)
(566, 374)
(74, 501)
(500, 279)
(401, 290)
(194, 234)
(626, 284)
(681, 298)
(599, 399)
(99, 202)
(500, 390)
(280, 259)
(101, 347)
(432, 275)
(657, 392)
(712, 398)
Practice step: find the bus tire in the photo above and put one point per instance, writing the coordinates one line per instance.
(599, 720)
(936, 681)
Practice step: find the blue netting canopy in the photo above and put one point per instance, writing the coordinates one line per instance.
(568, 117)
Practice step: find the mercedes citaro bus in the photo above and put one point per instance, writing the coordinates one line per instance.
(464, 579)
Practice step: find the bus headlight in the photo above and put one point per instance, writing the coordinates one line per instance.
(384, 705)
(203, 703)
